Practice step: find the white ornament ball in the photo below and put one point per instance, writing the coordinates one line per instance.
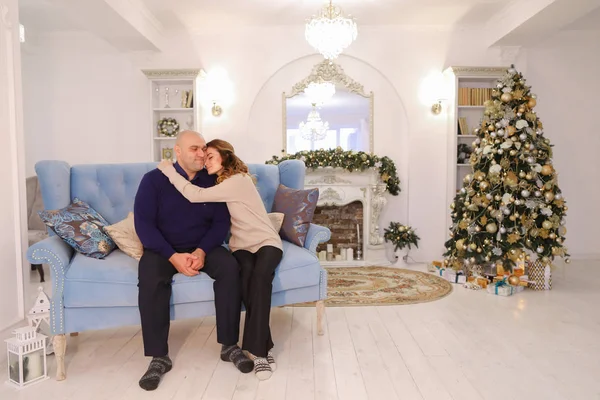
(558, 196)
(488, 196)
(538, 193)
(525, 193)
(498, 125)
(540, 249)
(506, 211)
(530, 160)
(493, 134)
(503, 230)
(519, 114)
(522, 136)
(500, 151)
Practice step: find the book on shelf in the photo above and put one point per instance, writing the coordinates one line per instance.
(473, 96)
(463, 128)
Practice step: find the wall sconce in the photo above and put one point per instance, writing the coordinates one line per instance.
(216, 91)
(434, 91)
(216, 110)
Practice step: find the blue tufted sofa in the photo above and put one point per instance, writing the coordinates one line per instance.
(91, 294)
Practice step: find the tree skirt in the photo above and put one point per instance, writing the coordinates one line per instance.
(373, 286)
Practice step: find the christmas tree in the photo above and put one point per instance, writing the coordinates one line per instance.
(510, 207)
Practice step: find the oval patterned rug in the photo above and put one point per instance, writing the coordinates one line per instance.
(374, 286)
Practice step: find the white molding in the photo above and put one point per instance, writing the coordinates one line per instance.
(16, 145)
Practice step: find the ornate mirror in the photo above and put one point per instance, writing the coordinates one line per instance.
(326, 110)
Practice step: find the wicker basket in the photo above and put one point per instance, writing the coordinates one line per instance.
(540, 275)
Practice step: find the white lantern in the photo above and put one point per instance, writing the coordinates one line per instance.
(40, 310)
(26, 354)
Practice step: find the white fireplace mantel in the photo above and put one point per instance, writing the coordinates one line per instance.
(338, 187)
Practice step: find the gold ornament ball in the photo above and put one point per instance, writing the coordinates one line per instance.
(552, 236)
(528, 176)
(512, 218)
(547, 224)
(547, 169)
(568, 260)
(549, 196)
(491, 128)
(506, 97)
(510, 130)
(513, 153)
(522, 174)
(532, 103)
(459, 244)
(473, 246)
(514, 280)
(491, 228)
(565, 208)
(527, 257)
(562, 230)
(521, 109)
(484, 185)
(497, 197)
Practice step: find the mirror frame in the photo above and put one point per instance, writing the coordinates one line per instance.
(330, 72)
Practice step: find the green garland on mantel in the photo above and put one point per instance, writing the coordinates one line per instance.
(348, 160)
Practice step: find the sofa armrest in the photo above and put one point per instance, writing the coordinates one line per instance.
(316, 234)
(56, 253)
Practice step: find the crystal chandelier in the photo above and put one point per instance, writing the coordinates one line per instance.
(330, 33)
(314, 128)
(319, 92)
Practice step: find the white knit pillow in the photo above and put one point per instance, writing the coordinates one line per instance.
(124, 235)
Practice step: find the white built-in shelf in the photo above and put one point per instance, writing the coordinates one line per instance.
(464, 117)
(172, 87)
(173, 109)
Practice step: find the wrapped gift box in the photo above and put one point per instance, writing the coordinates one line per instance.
(503, 289)
(455, 276)
(480, 281)
(540, 276)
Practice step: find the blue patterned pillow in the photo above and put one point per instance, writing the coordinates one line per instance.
(298, 208)
(81, 227)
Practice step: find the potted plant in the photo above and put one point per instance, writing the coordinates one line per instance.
(400, 236)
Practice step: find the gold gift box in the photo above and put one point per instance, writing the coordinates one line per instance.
(483, 282)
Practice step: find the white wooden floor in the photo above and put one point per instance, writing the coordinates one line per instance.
(469, 345)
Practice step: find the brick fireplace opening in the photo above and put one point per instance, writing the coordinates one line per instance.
(341, 220)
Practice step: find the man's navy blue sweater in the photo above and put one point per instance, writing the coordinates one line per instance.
(166, 221)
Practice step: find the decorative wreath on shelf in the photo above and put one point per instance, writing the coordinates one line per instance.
(168, 127)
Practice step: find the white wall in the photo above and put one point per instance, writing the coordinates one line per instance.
(11, 164)
(563, 71)
(107, 120)
(84, 102)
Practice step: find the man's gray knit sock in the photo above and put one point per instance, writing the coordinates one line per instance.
(158, 367)
(234, 354)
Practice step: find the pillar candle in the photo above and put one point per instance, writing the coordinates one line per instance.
(358, 232)
(322, 255)
(330, 248)
(350, 254)
(338, 257)
(343, 253)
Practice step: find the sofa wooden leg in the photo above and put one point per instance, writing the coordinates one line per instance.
(320, 312)
(60, 348)
(74, 333)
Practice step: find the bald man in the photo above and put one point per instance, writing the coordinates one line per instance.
(184, 237)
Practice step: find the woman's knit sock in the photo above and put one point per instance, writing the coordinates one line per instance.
(158, 367)
(234, 354)
(271, 360)
(262, 369)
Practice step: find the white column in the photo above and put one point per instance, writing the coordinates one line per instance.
(12, 181)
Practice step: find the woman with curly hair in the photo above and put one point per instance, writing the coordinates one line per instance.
(254, 242)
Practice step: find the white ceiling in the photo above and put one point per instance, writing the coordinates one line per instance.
(202, 14)
(142, 24)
